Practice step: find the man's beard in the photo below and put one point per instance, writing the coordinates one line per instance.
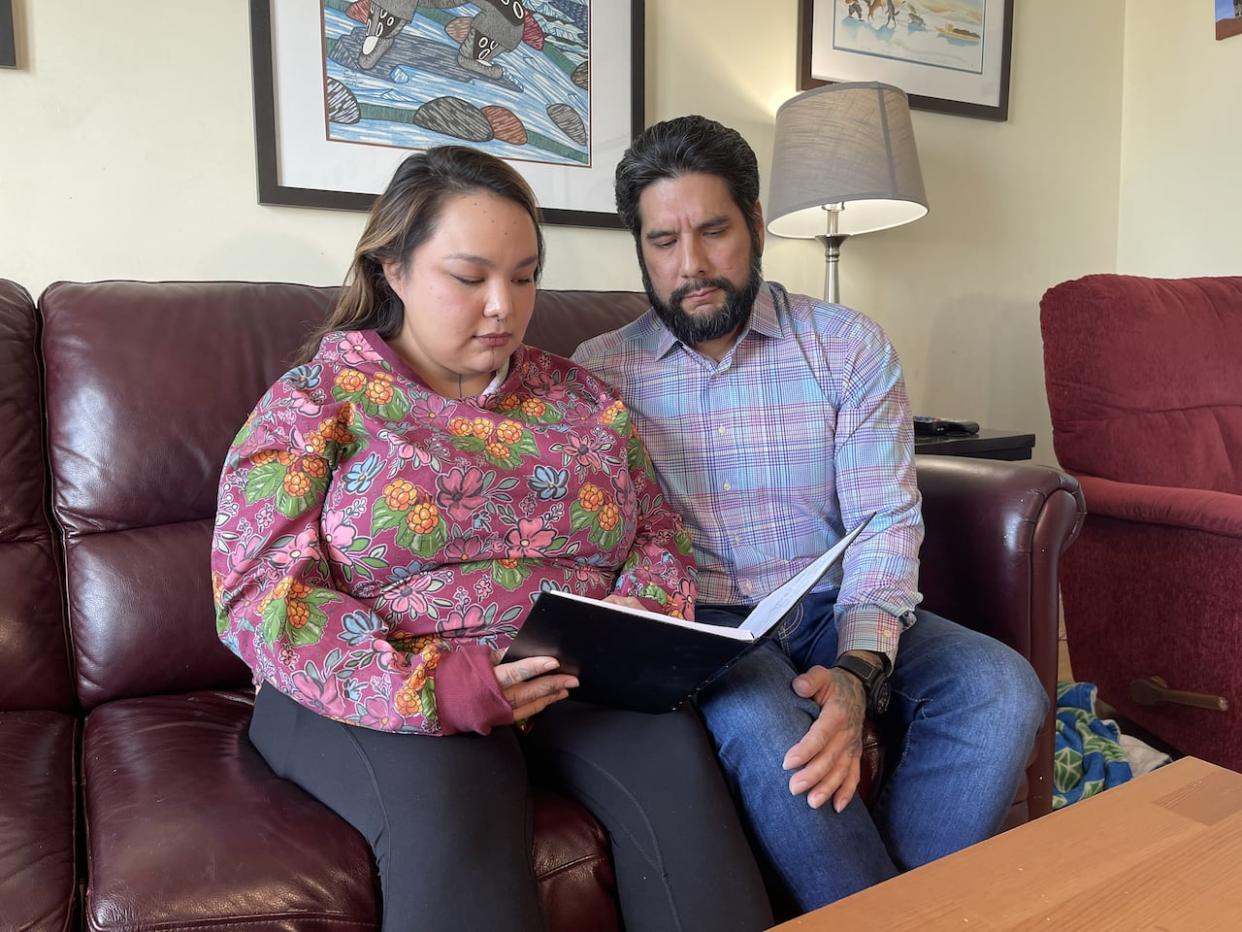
(731, 316)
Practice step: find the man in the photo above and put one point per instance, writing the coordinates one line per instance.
(777, 423)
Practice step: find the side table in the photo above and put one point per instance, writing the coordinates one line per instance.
(987, 444)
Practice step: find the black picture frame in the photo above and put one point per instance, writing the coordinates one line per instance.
(8, 40)
(272, 191)
(998, 112)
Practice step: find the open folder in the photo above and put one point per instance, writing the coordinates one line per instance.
(633, 659)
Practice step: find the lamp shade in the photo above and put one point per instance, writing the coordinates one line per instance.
(845, 144)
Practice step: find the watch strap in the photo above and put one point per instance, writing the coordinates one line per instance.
(873, 677)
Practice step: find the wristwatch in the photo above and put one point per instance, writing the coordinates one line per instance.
(874, 678)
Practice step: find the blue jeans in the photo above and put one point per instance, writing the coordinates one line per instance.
(966, 707)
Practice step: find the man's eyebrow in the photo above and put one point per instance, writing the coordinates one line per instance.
(716, 221)
(484, 261)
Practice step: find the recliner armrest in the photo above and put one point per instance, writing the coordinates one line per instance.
(1193, 509)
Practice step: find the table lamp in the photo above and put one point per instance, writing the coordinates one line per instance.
(844, 162)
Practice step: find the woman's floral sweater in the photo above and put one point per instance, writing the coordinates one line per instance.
(376, 542)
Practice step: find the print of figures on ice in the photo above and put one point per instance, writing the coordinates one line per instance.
(936, 33)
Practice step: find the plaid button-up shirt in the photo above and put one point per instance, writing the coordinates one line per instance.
(774, 453)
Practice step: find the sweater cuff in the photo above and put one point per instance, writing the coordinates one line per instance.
(468, 697)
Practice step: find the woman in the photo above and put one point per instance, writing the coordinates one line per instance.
(387, 515)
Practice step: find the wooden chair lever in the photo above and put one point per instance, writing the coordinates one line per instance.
(1154, 690)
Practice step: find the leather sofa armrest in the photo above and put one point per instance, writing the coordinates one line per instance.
(995, 534)
(1193, 509)
(991, 561)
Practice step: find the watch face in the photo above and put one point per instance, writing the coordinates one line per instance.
(880, 698)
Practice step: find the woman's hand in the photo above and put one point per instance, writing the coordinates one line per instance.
(529, 684)
(626, 600)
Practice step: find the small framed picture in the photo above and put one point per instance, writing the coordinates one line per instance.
(1228, 18)
(947, 55)
(346, 89)
(8, 41)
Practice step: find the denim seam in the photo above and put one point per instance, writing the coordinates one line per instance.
(785, 630)
(657, 865)
(920, 714)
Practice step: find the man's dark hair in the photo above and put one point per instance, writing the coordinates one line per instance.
(682, 146)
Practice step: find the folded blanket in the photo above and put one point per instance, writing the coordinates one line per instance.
(1089, 758)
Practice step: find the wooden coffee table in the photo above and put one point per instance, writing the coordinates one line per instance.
(1162, 853)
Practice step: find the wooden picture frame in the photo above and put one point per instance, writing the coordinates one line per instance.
(955, 60)
(335, 114)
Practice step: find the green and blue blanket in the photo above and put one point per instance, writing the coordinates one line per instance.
(1089, 758)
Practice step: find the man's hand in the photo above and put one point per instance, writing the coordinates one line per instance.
(828, 756)
(529, 684)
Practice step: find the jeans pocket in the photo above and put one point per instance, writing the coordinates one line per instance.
(789, 626)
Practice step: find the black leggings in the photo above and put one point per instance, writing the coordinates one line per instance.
(449, 819)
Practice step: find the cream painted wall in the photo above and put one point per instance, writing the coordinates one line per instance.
(1016, 207)
(128, 152)
(89, 190)
(1181, 146)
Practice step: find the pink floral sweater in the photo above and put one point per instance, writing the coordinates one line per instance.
(376, 541)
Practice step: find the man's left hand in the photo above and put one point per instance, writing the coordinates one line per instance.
(828, 758)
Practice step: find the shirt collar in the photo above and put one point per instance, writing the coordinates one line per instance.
(764, 320)
(664, 339)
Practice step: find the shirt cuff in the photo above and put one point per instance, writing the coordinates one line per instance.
(868, 627)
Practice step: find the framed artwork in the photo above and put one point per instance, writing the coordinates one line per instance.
(346, 89)
(951, 56)
(8, 41)
(1228, 18)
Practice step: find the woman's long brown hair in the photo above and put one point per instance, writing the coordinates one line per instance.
(404, 217)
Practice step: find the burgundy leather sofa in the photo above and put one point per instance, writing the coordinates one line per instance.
(130, 798)
(1144, 379)
(39, 725)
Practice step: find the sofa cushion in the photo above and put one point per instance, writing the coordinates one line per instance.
(574, 870)
(563, 319)
(34, 658)
(188, 828)
(146, 386)
(38, 821)
(155, 578)
(1144, 381)
(187, 825)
